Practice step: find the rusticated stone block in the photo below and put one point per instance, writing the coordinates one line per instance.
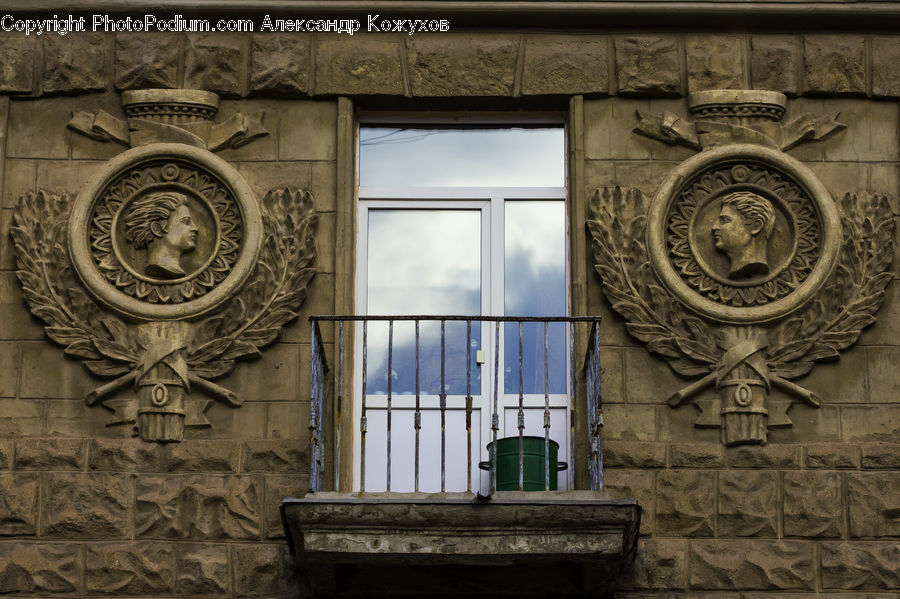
(832, 455)
(18, 503)
(628, 454)
(747, 504)
(19, 417)
(50, 454)
(623, 484)
(40, 568)
(197, 506)
(69, 381)
(201, 569)
(851, 566)
(685, 503)
(835, 64)
(697, 455)
(714, 62)
(566, 64)
(812, 504)
(277, 488)
(766, 456)
(75, 63)
(647, 65)
(6, 452)
(751, 565)
(886, 66)
(880, 455)
(775, 63)
(128, 455)
(358, 65)
(630, 422)
(870, 423)
(659, 564)
(203, 456)
(9, 352)
(883, 376)
(147, 60)
(16, 62)
(213, 62)
(261, 570)
(280, 63)
(95, 505)
(874, 504)
(129, 569)
(462, 65)
(276, 455)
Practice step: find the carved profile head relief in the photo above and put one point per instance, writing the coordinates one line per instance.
(163, 224)
(742, 271)
(742, 230)
(166, 268)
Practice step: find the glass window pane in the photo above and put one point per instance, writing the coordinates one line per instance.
(535, 285)
(425, 262)
(497, 157)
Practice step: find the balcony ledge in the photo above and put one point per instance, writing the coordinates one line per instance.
(566, 543)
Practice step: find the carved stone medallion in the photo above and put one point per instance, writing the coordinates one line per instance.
(743, 233)
(166, 268)
(742, 271)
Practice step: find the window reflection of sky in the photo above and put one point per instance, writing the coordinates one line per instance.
(535, 285)
(422, 262)
(391, 156)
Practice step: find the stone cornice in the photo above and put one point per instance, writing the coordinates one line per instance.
(740, 15)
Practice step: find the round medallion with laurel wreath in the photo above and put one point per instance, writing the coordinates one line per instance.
(788, 249)
(165, 231)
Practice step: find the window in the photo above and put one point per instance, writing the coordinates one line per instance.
(464, 221)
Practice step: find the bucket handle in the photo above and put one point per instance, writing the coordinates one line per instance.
(560, 466)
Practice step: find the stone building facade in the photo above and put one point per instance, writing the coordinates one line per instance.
(88, 509)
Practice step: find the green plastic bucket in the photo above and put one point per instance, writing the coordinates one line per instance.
(532, 461)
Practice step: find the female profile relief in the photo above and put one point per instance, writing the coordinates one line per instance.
(163, 224)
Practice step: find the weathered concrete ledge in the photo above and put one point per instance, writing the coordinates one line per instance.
(389, 542)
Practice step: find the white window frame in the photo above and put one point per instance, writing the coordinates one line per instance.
(491, 201)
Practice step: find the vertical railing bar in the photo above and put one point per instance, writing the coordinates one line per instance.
(417, 423)
(469, 406)
(571, 451)
(547, 408)
(340, 405)
(521, 415)
(597, 414)
(362, 419)
(443, 398)
(390, 371)
(314, 400)
(495, 416)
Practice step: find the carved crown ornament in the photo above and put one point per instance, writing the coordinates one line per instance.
(742, 271)
(166, 268)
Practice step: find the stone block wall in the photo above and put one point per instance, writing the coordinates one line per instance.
(86, 510)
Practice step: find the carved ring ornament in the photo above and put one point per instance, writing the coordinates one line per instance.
(166, 268)
(125, 256)
(742, 271)
(748, 275)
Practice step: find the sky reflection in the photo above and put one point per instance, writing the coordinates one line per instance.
(390, 156)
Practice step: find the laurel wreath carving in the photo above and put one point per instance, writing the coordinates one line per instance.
(834, 320)
(830, 323)
(274, 293)
(109, 346)
(53, 293)
(617, 225)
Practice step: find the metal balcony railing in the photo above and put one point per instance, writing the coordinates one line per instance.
(550, 345)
